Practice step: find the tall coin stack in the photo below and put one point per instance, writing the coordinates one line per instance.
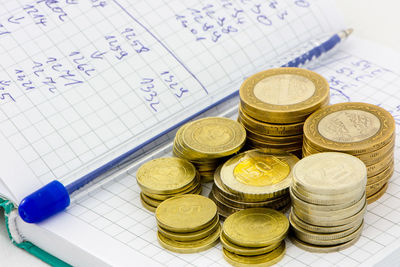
(255, 178)
(328, 201)
(164, 178)
(360, 129)
(254, 237)
(275, 103)
(205, 142)
(188, 224)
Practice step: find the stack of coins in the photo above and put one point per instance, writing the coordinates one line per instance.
(362, 130)
(188, 224)
(275, 103)
(329, 202)
(164, 178)
(207, 141)
(252, 179)
(254, 237)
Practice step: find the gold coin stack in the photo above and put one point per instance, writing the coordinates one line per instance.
(188, 224)
(254, 237)
(205, 142)
(253, 179)
(328, 201)
(275, 103)
(359, 129)
(164, 178)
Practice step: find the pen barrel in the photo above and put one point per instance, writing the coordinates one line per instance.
(44, 203)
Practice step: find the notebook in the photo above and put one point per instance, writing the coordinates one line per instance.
(84, 83)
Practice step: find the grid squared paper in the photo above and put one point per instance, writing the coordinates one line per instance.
(83, 82)
(115, 208)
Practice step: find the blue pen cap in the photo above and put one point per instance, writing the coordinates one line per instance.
(44, 203)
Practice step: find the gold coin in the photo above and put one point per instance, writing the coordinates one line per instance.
(274, 204)
(262, 260)
(305, 235)
(284, 146)
(222, 188)
(368, 158)
(195, 189)
(322, 249)
(290, 139)
(355, 128)
(146, 205)
(213, 137)
(378, 194)
(269, 128)
(372, 189)
(245, 251)
(283, 95)
(151, 201)
(165, 175)
(379, 166)
(319, 239)
(189, 246)
(330, 221)
(384, 175)
(259, 174)
(330, 173)
(322, 199)
(186, 213)
(324, 229)
(256, 227)
(193, 235)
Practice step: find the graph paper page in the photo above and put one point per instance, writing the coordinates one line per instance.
(114, 212)
(85, 81)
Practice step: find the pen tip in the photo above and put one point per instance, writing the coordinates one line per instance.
(348, 31)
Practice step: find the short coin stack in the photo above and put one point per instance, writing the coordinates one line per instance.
(188, 224)
(360, 129)
(254, 237)
(328, 201)
(205, 141)
(255, 178)
(164, 178)
(275, 103)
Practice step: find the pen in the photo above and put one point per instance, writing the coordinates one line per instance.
(314, 49)
(55, 197)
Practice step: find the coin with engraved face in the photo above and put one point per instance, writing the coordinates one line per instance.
(355, 128)
(330, 173)
(283, 95)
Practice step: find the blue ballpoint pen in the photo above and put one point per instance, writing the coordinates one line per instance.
(55, 197)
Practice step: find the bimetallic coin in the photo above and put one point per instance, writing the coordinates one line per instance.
(330, 221)
(259, 173)
(213, 137)
(269, 128)
(372, 189)
(323, 249)
(267, 259)
(256, 227)
(189, 246)
(192, 236)
(245, 251)
(324, 229)
(322, 239)
(383, 176)
(165, 175)
(378, 194)
(330, 173)
(379, 166)
(283, 95)
(305, 235)
(355, 128)
(324, 199)
(291, 139)
(288, 147)
(186, 213)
